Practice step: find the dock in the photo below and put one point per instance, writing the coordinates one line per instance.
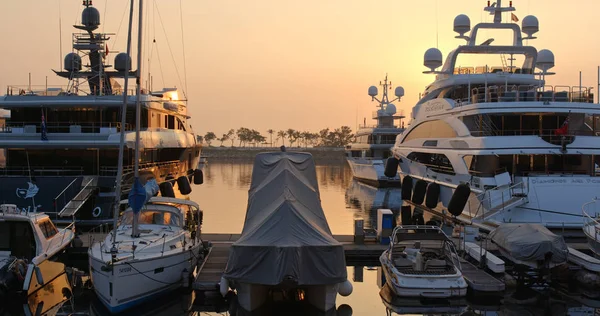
(210, 272)
(479, 280)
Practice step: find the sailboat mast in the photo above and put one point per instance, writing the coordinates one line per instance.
(122, 139)
(138, 109)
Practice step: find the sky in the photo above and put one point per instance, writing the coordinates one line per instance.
(272, 64)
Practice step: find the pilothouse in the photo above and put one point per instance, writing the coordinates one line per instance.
(501, 144)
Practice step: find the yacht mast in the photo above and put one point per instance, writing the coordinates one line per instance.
(113, 250)
(138, 75)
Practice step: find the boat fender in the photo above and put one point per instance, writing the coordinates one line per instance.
(433, 195)
(406, 188)
(223, 286)
(97, 211)
(418, 218)
(459, 199)
(166, 189)
(391, 167)
(198, 177)
(344, 310)
(406, 214)
(184, 185)
(345, 288)
(185, 278)
(418, 195)
(77, 242)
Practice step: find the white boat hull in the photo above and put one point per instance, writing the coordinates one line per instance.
(131, 282)
(371, 171)
(425, 286)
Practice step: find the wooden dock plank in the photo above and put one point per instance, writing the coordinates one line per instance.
(479, 280)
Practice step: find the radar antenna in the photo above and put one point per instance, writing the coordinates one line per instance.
(496, 9)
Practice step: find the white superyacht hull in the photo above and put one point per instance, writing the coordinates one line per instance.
(132, 282)
(371, 171)
(553, 201)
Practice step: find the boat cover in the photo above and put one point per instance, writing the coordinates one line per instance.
(530, 242)
(285, 234)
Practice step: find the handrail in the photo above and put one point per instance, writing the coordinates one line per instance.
(590, 221)
(61, 193)
(483, 199)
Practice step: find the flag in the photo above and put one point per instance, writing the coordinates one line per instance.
(513, 17)
(44, 131)
(564, 129)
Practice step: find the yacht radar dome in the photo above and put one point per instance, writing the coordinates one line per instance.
(399, 92)
(90, 17)
(72, 62)
(530, 26)
(373, 91)
(122, 62)
(390, 109)
(545, 60)
(433, 59)
(462, 25)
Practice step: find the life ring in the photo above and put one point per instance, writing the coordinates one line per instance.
(97, 211)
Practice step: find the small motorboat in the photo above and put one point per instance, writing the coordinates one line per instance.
(286, 251)
(530, 245)
(421, 261)
(30, 246)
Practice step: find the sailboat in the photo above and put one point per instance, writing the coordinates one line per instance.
(155, 245)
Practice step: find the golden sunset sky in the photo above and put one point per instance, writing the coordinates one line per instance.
(289, 64)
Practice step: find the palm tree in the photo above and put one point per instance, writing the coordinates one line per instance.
(282, 134)
(270, 132)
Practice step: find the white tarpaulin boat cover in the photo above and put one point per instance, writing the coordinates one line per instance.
(530, 242)
(285, 234)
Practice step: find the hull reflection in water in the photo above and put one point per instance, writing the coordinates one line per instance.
(178, 303)
(45, 296)
(367, 199)
(403, 305)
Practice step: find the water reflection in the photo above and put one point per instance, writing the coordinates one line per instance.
(366, 200)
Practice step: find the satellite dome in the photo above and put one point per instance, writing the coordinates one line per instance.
(545, 60)
(122, 62)
(390, 109)
(72, 62)
(373, 91)
(399, 92)
(530, 25)
(462, 24)
(90, 17)
(433, 58)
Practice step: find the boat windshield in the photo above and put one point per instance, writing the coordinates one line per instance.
(152, 217)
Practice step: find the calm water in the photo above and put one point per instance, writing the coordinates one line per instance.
(223, 197)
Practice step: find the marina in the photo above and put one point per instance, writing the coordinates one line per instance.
(480, 201)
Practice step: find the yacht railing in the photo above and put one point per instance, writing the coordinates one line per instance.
(112, 171)
(41, 171)
(70, 228)
(530, 132)
(589, 221)
(64, 199)
(63, 127)
(527, 93)
(497, 197)
(54, 90)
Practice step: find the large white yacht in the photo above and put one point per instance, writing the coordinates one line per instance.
(64, 141)
(497, 142)
(368, 154)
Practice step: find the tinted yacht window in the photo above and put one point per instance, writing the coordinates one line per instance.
(431, 129)
(436, 162)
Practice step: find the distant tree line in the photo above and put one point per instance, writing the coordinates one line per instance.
(338, 137)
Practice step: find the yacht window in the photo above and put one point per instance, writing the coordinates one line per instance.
(430, 143)
(48, 229)
(436, 162)
(387, 139)
(356, 153)
(18, 238)
(152, 217)
(431, 129)
(542, 124)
